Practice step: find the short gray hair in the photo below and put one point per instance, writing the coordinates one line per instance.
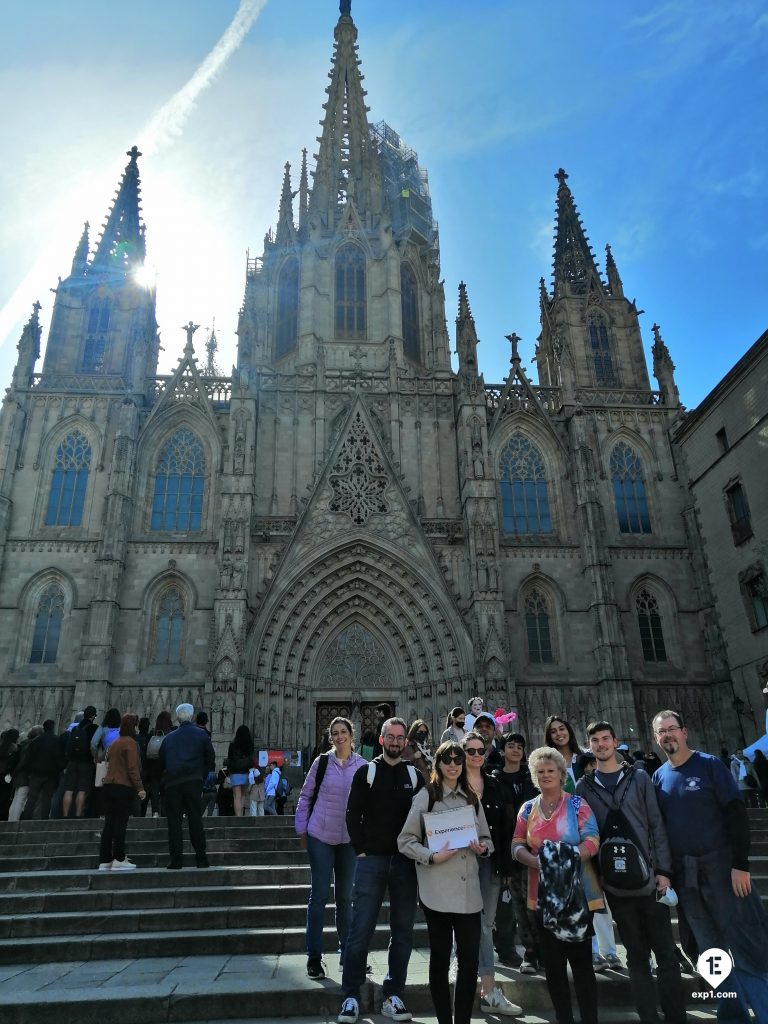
(547, 754)
(184, 712)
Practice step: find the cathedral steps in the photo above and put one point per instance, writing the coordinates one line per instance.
(213, 944)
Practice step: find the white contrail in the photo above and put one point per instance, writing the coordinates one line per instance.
(166, 125)
(169, 121)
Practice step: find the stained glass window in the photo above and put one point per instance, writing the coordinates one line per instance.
(605, 370)
(169, 628)
(69, 481)
(629, 490)
(287, 323)
(649, 622)
(177, 503)
(350, 292)
(409, 305)
(45, 638)
(537, 628)
(524, 494)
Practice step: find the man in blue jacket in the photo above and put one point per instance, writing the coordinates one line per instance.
(186, 757)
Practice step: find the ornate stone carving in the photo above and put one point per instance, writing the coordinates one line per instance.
(358, 478)
(355, 659)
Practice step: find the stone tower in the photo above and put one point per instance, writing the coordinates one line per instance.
(345, 520)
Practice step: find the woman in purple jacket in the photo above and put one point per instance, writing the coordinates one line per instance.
(321, 825)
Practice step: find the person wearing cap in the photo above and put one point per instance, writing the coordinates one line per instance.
(644, 923)
(485, 724)
(186, 757)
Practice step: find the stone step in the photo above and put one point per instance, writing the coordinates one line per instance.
(152, 878)
(149, 860)
(242, 941)
(71, 901)
(221, 988)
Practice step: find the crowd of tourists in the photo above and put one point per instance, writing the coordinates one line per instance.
(557, 848)
(567, 845)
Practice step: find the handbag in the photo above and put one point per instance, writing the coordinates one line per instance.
(101, 772)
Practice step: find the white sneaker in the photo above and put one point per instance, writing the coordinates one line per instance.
(349, 1012)
(106, 866)
(123, 865)
(394, 1008)
(496, 1002)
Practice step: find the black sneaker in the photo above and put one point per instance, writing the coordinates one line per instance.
(510, 959)
(315, 968)
(529, 965)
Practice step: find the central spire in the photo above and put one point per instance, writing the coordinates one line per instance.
(574, 261)
(121, 246)
(347, 163)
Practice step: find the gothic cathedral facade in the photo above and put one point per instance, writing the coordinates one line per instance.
(346, 519)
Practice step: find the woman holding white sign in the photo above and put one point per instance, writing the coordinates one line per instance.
(446, 847)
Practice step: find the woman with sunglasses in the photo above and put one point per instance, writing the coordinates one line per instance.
(454, 726)
(493, 870)
(449, 886)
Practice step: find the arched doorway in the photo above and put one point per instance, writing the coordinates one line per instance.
(354, 673)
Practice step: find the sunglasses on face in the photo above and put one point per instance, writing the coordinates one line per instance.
(475, 751)
(452, 758)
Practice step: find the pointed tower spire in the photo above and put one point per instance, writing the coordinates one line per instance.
(284, 232)
(347, 162)
(573, 256)
(615, 286)
(303, 194)
(121, 246)
(664, 369)
(211, 347)
(466, 335)
(28, 349)
(80, 260)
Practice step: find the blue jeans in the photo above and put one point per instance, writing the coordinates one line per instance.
(326, 861)
(269, 805)
(374, 874)
(490, 886)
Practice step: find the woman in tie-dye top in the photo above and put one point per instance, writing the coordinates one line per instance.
(562, 818)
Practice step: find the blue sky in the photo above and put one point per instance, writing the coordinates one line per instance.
(656, 110)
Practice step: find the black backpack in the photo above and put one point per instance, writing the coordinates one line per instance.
(622, 863)
(79, 745)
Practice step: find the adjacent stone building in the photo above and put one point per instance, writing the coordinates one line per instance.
(725, 444)
(346, 519)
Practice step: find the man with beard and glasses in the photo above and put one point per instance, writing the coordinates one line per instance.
(708, 830)
(379, 802)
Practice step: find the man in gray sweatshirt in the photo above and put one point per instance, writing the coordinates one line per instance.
(644, 924)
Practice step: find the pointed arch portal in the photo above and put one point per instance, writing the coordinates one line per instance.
(359, 624)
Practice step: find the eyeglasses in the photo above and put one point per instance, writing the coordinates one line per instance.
(394, 739)
(667, 732)
(452, 758)
(475, 751)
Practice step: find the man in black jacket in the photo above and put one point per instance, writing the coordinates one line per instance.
(81, 771)
(42, 760)
(644, 924)
(379, 802)
(186, 757)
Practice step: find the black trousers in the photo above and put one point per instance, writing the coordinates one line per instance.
(185, 798)
(118, 802)
(41, 790)
(442, 928)
(645, 926)
(556, 955)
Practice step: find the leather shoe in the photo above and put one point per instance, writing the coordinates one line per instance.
(173, 867)
(202, 862)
